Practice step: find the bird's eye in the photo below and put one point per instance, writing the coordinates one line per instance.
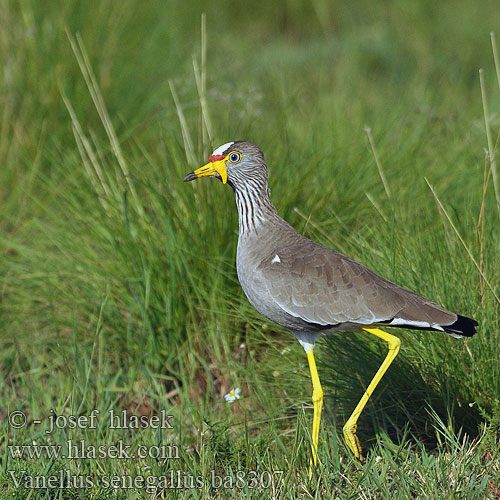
(234, 157)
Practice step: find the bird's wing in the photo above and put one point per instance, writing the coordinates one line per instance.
(321, 286)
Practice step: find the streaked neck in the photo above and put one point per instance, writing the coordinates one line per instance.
(254, 206)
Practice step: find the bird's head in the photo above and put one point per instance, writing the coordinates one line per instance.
(235, 163)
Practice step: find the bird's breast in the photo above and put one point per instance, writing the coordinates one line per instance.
(249, 258)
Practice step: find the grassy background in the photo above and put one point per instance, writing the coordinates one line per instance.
(118, 284)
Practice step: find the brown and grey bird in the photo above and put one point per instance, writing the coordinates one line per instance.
(311, 289)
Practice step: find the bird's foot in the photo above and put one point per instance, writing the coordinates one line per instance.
(352, 441)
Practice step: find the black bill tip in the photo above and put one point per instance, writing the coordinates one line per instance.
(190, 177)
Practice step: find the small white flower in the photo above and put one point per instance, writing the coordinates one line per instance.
(233, 395)
(285, 350)
(378, 459)
(242, 346)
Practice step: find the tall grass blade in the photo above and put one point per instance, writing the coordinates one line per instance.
(80, 53)
(368, 131)
(88, 156)
(207, 134)
(203, 82)
(491, 149)
(469, 253)
(186, 135)
(495, 56)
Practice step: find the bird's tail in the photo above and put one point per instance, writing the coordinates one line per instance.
(463, 327)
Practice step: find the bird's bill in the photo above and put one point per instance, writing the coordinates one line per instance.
(212, 169)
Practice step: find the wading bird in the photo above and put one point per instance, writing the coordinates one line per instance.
(311, 289)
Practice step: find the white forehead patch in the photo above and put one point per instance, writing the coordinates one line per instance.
(222, 148)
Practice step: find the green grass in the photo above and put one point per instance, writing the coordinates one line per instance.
(118, 283)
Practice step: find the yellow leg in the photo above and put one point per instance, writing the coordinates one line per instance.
(317, 399)
(350, 426)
